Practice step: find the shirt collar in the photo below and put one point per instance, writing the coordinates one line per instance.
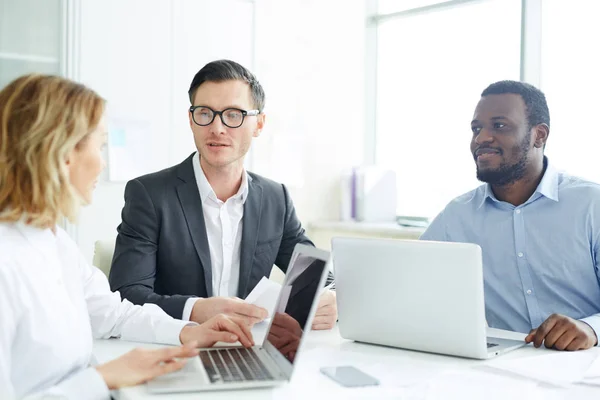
(43, 239)
(487, 193)
(207, 191)
(548, 186)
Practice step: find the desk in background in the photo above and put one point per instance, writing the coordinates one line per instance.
(403, 374)
(321, 232)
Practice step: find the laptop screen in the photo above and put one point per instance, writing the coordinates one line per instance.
(291, 312)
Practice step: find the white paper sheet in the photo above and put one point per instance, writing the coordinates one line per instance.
(259, 331)
(473, 384)
(593, 370)
(283, 300)
(265, 295)
(591, 381)
(557, 368)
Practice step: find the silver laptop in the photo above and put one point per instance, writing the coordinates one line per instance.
(416, 295)
(272, 362)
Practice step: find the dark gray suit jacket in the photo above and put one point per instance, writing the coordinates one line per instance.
(162, 254)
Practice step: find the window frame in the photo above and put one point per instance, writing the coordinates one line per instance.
(530, 55)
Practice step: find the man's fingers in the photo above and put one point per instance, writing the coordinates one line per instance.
(543, 330)
(245, 320)
(561, 333)
(554, 334)
(326, 301)
(564, 341)
(530, 336)
(321, 327)
(538, 339)
(325, 310)
(322, 319)
(249, 310)
(578, 343)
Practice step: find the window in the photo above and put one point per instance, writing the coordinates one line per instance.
(394, 6)
(431, 68)
(570, 78)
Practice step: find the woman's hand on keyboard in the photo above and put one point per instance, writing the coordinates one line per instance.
(141, 365)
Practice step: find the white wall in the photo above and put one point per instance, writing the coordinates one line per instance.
(204, 31)
(124, 48)
(310, 59)
(142, 54)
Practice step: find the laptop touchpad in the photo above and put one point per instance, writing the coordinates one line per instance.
(189, 377)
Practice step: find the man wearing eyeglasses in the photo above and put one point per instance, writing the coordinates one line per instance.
(197, 237)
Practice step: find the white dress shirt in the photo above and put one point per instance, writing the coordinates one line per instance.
(223, 222)
(52, 304)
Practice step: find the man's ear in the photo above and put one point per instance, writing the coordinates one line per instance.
(541, 131)
(190, 118)
(260, 123)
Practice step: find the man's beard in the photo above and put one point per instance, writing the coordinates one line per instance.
(507, 174)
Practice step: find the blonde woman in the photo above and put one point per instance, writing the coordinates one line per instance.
(52, 303)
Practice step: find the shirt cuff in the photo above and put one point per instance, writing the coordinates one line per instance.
(187, 309)
(594, 322)
(169, 330)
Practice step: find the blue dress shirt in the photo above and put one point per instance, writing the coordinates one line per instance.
(539, 258)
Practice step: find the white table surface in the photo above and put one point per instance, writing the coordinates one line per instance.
(403, 374)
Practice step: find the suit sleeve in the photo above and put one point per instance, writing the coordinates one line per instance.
(293, 233)
(133, 270)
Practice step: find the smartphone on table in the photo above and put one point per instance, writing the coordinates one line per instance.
(349, 376)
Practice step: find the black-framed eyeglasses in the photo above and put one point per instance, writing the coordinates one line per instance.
(230, 117)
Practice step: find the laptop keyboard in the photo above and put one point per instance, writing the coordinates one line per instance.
(233, 365)
(490, 345)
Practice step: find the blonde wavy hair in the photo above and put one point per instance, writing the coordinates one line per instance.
(42, 120)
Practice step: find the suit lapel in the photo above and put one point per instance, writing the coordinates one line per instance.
(189, 197)
(250, 229)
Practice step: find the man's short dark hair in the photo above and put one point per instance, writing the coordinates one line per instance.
(535, 101)
(227, 70)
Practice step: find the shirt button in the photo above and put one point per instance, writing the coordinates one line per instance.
(520, 254)
(529, 291)
(518, 211)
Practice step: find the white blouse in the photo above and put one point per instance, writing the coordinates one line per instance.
(52, 304)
